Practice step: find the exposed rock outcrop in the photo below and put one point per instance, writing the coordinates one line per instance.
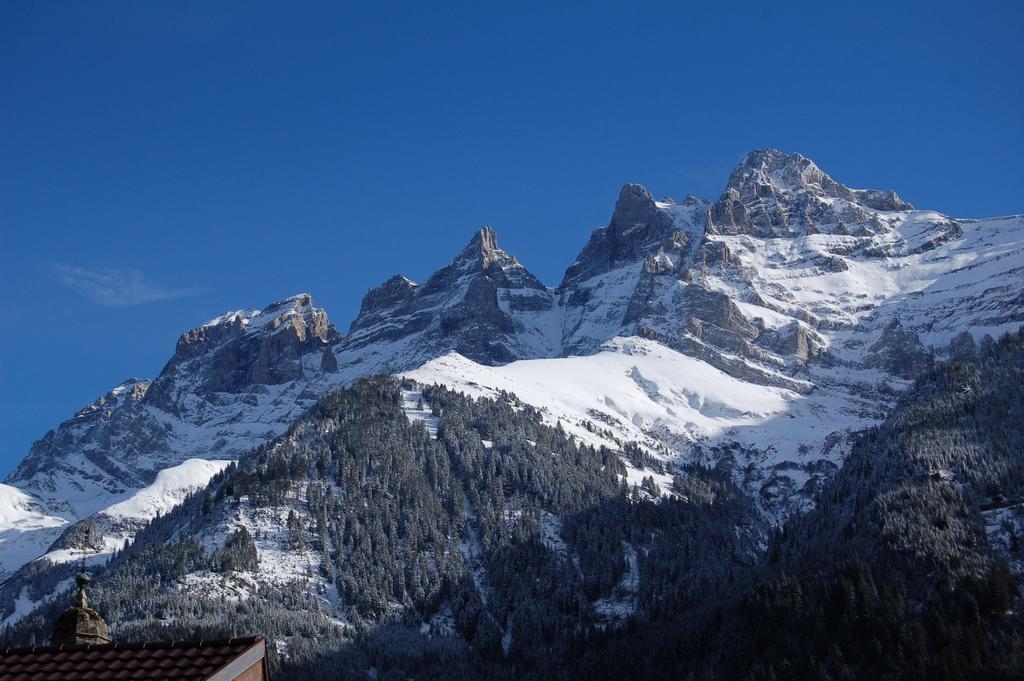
(637, 228)
(962, 347)
(244, 349)
(795, 340)
(898, 351)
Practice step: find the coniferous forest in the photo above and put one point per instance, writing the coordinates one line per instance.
(502, 549)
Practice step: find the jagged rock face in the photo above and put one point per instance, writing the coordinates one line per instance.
(795, 340)
(636, 229)
(484, 305)
(615, 278)
(806, 257)
(388, 313)
(899, 351)
(714, 309)
(666, 267)
(772, 194)
(657, 288)
(244, 349)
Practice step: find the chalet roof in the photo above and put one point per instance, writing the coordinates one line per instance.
(186, 660)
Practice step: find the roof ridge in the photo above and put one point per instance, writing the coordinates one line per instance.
(144, 645)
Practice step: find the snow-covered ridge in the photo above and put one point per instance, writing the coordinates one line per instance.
(169, 489)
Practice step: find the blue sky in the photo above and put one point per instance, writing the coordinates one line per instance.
(161, 163)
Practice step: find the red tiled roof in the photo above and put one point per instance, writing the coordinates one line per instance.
(184, 660)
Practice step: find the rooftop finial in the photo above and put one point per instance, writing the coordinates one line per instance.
(81, 624)
(82, 580)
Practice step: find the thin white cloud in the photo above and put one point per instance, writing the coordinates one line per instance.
(114, 288)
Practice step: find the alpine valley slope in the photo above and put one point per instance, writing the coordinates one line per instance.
(753, 334)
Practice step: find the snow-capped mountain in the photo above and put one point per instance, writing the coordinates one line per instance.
(757, 330)
(232, 383)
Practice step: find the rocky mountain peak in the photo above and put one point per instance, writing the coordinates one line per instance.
(297, 304)
(773, 194)
(244, 348)
(382, 305)
(483, 252)
(393, 291)
(295, 312)
(765, 170)
(485, 240)
(637, 229)
(635, 205)
(298, 315)
(483, 304)
(773, 173)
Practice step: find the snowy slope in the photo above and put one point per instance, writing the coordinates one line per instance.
(24, 528)
(680, 408)
(167, 491)
(633, 385)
